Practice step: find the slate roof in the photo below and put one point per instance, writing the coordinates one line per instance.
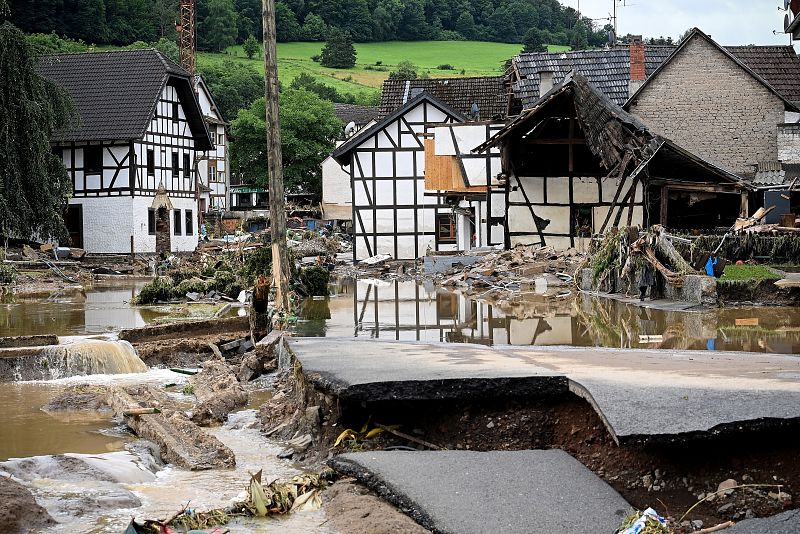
(609, 69)
(360, 115)
(489, 92)
(115, 93)
(778, 65)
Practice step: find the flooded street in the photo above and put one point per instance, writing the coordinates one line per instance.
(411, 312)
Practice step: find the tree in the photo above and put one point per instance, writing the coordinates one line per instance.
(217, 30)
(534, 41)
(579, 39)
(326, 92)
(286, 25)
(251, 47)
(309, 128)
(34, 185)
(235, 86)
(405, 71)
(338, 51)
(465, 25)
(314, 28)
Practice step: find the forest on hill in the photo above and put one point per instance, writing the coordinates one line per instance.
(223, 23)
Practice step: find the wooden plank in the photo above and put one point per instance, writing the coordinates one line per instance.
(444, 173)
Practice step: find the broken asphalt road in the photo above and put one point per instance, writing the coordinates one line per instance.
(466, 492)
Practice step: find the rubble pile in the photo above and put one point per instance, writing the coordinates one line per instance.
(521, 270)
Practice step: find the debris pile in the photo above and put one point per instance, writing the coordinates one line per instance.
(519, 271)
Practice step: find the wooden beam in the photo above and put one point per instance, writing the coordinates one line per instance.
(571, 166)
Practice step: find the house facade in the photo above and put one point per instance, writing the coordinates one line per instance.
(414, 190)
(131, 156)
(576, 164)
(739, 101)
(212, 167)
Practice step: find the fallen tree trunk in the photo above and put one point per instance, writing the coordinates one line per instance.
(181, 441)
(218, 392)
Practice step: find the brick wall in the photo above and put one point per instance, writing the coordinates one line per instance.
(706, 103)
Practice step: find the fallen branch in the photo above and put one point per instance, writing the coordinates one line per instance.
(408, 437)
(716, 528)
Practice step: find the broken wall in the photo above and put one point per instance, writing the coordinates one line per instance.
(561, 200)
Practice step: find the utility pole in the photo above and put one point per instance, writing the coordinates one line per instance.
(277, 209)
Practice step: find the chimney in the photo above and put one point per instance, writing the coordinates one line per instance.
(545, 82)
(638, 73)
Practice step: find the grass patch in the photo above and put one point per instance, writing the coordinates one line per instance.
(739, 273)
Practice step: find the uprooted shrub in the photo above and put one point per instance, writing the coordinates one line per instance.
(315, 279)
(159, 290)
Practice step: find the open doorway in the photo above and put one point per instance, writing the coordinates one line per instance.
(73, 218)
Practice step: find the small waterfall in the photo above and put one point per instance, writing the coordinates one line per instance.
(87, 357)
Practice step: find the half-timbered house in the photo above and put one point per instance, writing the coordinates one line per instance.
(132, 153)
(212, 167)
(398, 207)
(576, 164)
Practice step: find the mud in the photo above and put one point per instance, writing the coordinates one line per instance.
(761, 292)
(186, 329)
(183, 352)
(353, 509)
(81, 397)
(19, 512)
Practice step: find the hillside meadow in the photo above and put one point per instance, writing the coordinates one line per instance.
(376, 60)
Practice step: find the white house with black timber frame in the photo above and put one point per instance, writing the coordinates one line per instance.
(212, 167)
(132, 154)
(394, 212)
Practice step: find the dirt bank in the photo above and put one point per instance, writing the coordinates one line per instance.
(19, 512)
(352, 508)
(670, 478)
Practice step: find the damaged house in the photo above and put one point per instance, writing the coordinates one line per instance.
(576, 164)
(736, 107)
(407, 198)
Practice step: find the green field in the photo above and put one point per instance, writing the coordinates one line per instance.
(468, 58)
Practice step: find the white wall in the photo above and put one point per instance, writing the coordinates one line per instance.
(108, 223)
(336, 183)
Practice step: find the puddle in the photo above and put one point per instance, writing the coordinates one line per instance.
(412, 312)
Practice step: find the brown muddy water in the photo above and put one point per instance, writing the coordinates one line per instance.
(412, 312)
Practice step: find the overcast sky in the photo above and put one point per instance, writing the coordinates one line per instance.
(729, 22)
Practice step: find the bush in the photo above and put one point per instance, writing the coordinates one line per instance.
(446, 66)
(179, 275)
(316, 58)
(225, 282)
(160, 289)
(259, 262)
(378, 63)
(315, 279)
(192, 285)
(405, 71)
(7, 273)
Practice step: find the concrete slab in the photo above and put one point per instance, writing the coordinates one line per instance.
(785, 523)
(642, 395)
(372, 370)
(465, 492)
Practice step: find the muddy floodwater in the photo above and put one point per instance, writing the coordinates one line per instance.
(410, 311)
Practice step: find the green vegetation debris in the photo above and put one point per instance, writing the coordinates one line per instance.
(748, 272)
